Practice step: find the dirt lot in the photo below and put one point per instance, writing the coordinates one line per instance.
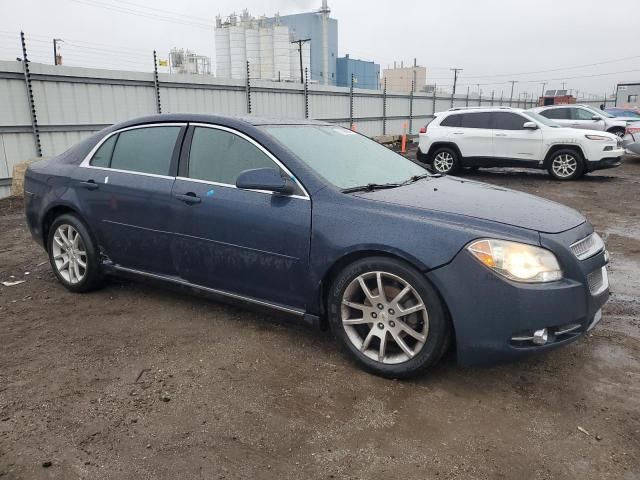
(137, 381)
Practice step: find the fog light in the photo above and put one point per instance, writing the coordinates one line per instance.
(540, 337)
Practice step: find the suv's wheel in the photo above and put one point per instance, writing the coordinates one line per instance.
(388, 317)
(73, 254)
(565, 164)
(445, 160)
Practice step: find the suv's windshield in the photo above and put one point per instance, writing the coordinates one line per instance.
(345, 158)
(540, 119)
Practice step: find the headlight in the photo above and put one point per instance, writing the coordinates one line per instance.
(597, 137)
(517, 261)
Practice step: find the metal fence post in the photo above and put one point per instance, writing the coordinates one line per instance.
(248, 89)
(413, 86)
(351, 103)
(467, 101)
(384, 108)
(492, 95)
(32, 104)
(479, 98)
(156, 83)
(435, 92)
(306, 92)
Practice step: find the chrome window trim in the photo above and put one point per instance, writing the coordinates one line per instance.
(228, 185)
(106, 169)
(180, 281)
(262, 149)
(86, 162)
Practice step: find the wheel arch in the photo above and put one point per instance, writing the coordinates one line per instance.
(436, 145)
(49, 217)
(615, 129)
(350, 257)
(555, 148)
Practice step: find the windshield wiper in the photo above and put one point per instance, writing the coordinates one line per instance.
(370, 187)
(415, 178)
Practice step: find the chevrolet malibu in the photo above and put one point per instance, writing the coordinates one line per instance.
(321, 223)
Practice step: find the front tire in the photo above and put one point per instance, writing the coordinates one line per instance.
(445, 160)
(73, 254)
(388, 318)
(565, 164)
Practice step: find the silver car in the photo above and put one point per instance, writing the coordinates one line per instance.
(584, 116)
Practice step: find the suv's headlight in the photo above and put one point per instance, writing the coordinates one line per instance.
(597, 137)
(517, 261)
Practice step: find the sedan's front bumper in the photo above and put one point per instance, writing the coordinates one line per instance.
(492, 316)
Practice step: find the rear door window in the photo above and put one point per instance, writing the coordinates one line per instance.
(581, 114)
(145, 150)
(476, 120)
(508, 121)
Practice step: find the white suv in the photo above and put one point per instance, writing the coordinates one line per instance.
(511, 137)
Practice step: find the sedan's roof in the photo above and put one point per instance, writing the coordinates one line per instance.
(254, 120)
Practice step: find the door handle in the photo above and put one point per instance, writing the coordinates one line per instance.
(89, 185)
(188, 198)
(501, 134)
(458, 133)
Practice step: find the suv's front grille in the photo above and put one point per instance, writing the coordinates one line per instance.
(588, 246)
(598, 281)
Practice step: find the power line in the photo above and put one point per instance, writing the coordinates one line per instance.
(132, 11)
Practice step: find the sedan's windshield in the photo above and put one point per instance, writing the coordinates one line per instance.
(540, 119)
(345, 158)
(600, 112)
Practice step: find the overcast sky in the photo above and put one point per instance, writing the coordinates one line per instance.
(487, 38)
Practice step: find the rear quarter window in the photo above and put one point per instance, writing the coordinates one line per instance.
(451, 121)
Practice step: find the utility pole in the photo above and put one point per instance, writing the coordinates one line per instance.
(513, 82)
(455, 80)
(57, 58)
(544, 84)
(300, 42)
(563, 85)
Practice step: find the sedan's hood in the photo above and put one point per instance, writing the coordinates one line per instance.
(483, 201)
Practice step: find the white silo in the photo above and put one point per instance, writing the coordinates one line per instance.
(281, 49)
(266, 53)
(252, 39)
(238, 51)
(223, 56)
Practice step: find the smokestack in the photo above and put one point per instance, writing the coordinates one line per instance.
(325, 40)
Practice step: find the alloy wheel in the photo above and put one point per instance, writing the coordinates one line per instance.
(69, 254)
(443, 162)
(384, 317)
(564, 165)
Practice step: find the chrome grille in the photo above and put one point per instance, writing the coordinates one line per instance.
(598, 281)
(588, 246)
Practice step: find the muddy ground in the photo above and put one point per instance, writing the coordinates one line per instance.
(139, 381)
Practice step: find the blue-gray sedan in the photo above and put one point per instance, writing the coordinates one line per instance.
(317, 221)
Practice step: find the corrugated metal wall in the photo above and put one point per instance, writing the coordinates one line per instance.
(71, 103)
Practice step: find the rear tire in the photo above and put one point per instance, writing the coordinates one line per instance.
(565, 164)
(73, 255)
(374, 329)
(445, 160)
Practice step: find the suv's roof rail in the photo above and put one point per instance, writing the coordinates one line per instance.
(480, 107)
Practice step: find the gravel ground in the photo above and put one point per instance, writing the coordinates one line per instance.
(139, 381)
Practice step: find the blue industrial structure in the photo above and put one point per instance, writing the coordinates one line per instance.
(309, 25)
(366, 73)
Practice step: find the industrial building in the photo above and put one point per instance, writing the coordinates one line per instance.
(273, 46)
(186, 61)
(399, 78)
(628, 94)
(366, 74)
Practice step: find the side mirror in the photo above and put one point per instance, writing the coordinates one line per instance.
(596, 118)
(268, 179)
(530, 126)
